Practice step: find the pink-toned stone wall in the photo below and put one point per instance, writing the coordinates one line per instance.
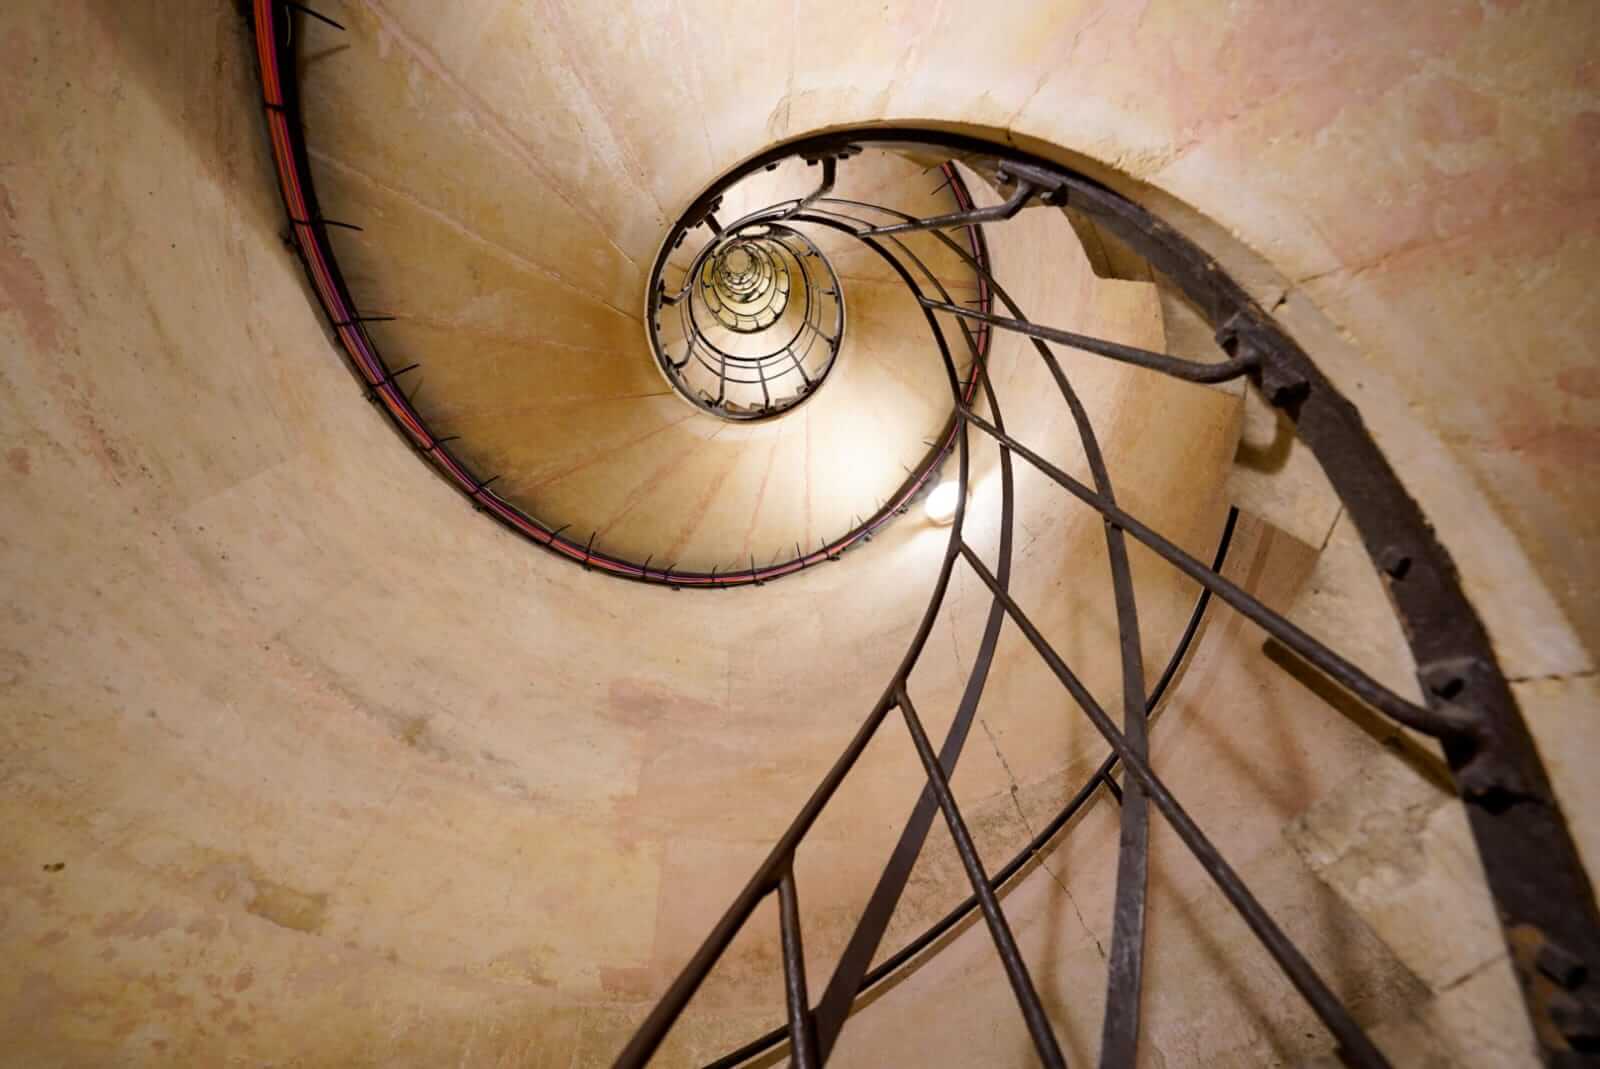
(304, 762)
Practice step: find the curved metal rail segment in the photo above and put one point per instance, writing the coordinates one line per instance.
(1546, 904)
(273, 23)
(751, 278)
(1102, 777)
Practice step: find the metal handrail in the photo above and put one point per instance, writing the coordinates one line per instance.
(380, 382)
(1542, 893)
(1467, 705)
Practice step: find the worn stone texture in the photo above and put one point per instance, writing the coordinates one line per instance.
(302, 762)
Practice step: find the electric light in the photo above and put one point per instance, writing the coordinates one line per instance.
(941, 502)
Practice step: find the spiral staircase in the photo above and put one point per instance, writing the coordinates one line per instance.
(820, 550)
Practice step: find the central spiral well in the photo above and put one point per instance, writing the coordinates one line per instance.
(760, 318)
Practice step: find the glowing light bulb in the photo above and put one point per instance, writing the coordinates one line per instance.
(940, 504)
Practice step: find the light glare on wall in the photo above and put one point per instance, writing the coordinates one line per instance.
(941, 502)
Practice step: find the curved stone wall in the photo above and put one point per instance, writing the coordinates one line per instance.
(305, 762)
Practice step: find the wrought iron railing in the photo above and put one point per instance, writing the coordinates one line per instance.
(760, 321)
(1550, 920)
(1545, 902)
(384, 384)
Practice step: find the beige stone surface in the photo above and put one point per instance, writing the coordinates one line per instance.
(536, 361)
(302, 762)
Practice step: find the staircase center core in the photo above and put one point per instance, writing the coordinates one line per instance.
(751, 325)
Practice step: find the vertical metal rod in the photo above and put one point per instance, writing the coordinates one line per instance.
(1119, 1039)
(1358, 1049)
(802, 1037)
(677, 996)
(1041, 839)
(1534, 871)
(1044, 1040)
(845, 983)
(1440, 722)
